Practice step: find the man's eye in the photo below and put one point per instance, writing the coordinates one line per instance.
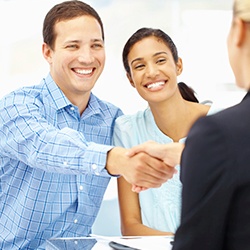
(97, 45)
(72, 46)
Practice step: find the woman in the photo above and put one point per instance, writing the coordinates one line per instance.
(152, 65)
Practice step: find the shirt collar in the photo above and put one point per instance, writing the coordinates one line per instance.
(55, 95)
(57, 100)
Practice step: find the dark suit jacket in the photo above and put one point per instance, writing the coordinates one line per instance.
(215, 171)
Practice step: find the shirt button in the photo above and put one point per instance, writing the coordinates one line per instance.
(75, 221)
(65, 163)
(72, 108)
(94, 166)
(81, 187)
(97, 173)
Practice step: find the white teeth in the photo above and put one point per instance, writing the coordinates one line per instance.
(155, 84)
(83, 71)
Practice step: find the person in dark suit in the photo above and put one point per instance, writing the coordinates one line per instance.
(215, 163)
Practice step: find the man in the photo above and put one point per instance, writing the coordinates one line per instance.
(55, 146)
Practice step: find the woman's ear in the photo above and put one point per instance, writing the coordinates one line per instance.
(130, 80)
(179, 66)
(239, 31)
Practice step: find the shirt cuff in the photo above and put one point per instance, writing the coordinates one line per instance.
(96, 157)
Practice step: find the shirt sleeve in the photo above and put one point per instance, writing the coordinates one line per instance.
(27, 136)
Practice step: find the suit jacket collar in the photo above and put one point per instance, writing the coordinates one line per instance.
(246, 96)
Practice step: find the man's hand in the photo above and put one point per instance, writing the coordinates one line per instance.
(169, 153)
(139, 169)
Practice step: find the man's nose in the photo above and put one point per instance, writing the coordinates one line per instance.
(86, 55)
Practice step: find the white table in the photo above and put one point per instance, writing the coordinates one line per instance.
(102, 242)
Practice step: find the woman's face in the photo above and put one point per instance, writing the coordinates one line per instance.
(153, 69)
(233, 51)
(238, 51)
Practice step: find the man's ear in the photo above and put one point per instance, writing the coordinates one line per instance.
(47, 52)
(130, 80)
(239, 31)
(179, 66)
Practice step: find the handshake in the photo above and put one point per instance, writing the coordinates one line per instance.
(147, 165)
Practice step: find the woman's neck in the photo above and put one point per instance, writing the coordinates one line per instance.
(176, 119)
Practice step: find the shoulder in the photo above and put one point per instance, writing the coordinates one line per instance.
(130, 119)
(230, 117)
(213, 109)
(205, 108)
(23, 95)
(129, 129)
(219, 129)
(105, 106)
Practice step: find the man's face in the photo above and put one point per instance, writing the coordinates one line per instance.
(78, 56)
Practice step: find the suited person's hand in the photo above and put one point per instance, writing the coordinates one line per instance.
(169, 153)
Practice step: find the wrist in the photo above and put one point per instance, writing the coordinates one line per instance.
(114, 164)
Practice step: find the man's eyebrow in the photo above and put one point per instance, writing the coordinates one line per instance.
(79, 41)
(72, 41)
(97, 40)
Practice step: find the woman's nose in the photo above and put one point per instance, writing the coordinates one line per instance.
(151, 70)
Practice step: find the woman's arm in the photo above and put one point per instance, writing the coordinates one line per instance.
(130, 212)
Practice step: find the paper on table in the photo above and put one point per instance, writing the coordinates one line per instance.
(148, 243)
(143, 242)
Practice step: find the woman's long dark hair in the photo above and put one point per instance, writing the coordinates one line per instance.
(187, 93)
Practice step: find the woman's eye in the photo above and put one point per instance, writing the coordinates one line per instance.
(139, 66)
(161, 60)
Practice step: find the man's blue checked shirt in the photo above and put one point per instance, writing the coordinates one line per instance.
(52, 165)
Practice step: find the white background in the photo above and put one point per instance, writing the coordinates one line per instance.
(199, 29)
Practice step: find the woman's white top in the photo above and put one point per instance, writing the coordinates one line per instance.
(160, 207)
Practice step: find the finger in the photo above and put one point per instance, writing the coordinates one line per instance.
(148, 172)
(147, 180)
(139, 148)
(158, 168)
(138, 189)
(152, 172)
(133, 151)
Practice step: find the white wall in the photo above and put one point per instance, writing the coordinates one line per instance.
(200, 36)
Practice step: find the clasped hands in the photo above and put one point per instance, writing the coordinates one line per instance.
(167, 154)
